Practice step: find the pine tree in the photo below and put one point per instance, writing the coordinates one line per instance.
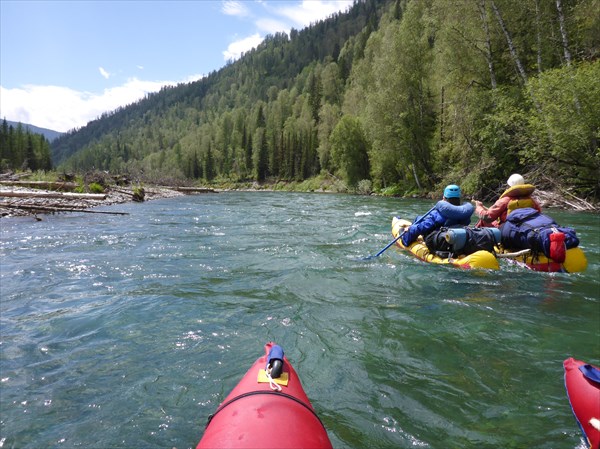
(209, 165)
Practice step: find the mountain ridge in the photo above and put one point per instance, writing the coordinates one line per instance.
(397, 95)
(47, 133)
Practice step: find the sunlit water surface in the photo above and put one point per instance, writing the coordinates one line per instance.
(128, 331)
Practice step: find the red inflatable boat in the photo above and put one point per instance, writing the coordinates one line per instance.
(267, 409)
(583, 389)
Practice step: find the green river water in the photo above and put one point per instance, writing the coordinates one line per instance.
(128, 331)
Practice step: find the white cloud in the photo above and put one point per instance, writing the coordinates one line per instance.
(272, 26)
(311, 11)
(300, 15)
(62, 109)
(235, 49)
(189, 79)
(234, 8)
(104, 73)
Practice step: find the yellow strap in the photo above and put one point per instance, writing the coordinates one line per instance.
(281, 380)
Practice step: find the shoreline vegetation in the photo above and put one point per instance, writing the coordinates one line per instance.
(24, 194)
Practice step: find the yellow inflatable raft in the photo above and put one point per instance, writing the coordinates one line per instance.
(477, 260)
(575, 261)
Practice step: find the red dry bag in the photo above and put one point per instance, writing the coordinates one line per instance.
(558, 249)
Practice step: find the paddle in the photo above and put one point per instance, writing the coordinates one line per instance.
(399, 236)
(513, 255)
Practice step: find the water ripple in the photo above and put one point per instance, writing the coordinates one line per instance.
(129, 331)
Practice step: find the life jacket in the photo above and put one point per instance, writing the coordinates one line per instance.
(527, 228)
(455, 215)
(519, 203)
(522, 197)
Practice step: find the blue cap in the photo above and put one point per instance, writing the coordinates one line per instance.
(452, 191)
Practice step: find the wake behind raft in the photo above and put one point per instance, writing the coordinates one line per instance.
(267, 409)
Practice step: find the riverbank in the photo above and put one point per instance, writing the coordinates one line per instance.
(31, 203)
(34, 202)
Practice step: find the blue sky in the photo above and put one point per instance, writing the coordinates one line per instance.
(63, 63)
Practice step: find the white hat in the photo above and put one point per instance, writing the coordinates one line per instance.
(515, 180)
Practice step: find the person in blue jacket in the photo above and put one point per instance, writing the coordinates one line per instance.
(447, 213)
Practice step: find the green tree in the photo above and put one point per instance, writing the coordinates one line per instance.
(332, 84)
(43, 157)
(315, 91)
(565, 128)
(261, 162)
(209, 165)
(349, 150)
(400, 106)
(329, 117)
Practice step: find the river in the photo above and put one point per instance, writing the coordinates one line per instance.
(128, 331)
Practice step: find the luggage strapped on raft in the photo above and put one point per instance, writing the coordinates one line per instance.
(528, 228)
(449, 242)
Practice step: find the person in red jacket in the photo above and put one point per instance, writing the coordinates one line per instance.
(517, 195)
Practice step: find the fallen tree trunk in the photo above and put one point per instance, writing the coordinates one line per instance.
(125, 192)
(70, 186)
(68, 196)
(194, 189)
(58, 209)
(559, 199)
(138, 195)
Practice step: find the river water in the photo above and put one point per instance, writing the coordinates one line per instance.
(128, 331)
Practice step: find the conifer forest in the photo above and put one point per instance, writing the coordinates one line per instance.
(396, 96)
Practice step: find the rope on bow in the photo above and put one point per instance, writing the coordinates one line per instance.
(274, 385)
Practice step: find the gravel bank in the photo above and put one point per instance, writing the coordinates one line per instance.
(25, 206)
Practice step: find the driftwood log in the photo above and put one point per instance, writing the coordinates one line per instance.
(67, 186)
(563, 199)
(58, 209)
(194, 189)
(19, 201)
(67, 195)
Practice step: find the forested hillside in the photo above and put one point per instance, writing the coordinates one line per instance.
(47, 133)
(401, 95)
(22, 149)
